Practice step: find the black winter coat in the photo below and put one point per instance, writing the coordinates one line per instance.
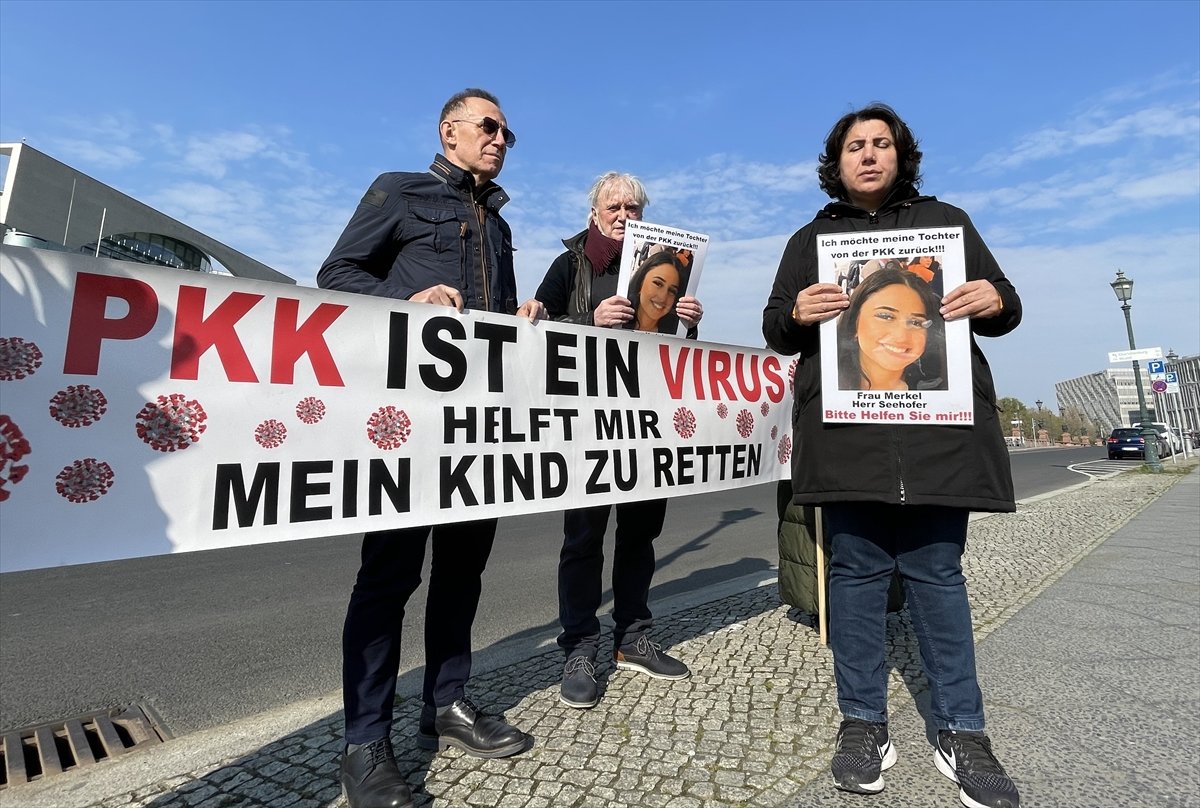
(412, 231)
(571, 291)
(954, 466)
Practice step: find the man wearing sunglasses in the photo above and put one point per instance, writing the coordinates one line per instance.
(431, 237)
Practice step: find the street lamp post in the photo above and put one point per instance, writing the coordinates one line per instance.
(1123, 288)
(1039, 424)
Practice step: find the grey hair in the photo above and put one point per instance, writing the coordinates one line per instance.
(627, 182)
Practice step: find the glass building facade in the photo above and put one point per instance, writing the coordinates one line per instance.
(151, 248)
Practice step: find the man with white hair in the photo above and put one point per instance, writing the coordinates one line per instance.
(581, 287)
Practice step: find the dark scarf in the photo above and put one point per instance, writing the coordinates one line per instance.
(600, 250)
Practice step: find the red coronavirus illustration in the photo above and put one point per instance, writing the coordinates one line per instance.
(13, 446)
(745, 423)
(78, 405)
(792, 376)
(84, 480)
(722, 411)
(174, 422)
(270, 433)
(685, 422)
(310, 410)
(18, 358)
(765, 408)
(785, 448)
(388, 427)
(774, 432)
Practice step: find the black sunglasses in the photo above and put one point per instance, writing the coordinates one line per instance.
(490, 127)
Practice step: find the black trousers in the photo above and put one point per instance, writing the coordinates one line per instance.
(581, 569)
(390, 573)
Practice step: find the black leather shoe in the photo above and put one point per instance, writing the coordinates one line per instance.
(371, 779)
(462, 725)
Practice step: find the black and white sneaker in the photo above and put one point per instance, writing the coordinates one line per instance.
(578, 688)
(863, 752)
(649, 658)
(967, 759)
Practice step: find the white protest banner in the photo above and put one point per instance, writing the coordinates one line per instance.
(148, 411)
(659, 265)
(895, 359)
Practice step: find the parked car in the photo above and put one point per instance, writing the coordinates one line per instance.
(1126, 441)
(1168, 442)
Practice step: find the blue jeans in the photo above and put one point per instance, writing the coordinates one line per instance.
(925, 543)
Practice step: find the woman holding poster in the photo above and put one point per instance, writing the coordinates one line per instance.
(896, 486)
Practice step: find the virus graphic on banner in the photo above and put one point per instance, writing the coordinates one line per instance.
(84, 480)
(13, 446)
(722, 411)
(388, 427)
(785, 448)
(792, 376)
(270, 433)
(78, 405)
(774, 432)
(765, 408)
(174, 422)
(685, 422)
(310, 410)
(745, 423)
(18, 358)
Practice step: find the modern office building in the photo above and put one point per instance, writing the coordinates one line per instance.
(1109, 397)
(50, 205)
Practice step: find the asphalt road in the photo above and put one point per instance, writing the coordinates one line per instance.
(206, 638)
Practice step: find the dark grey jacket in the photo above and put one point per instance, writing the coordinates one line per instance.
(412, 231)
(570, 291)
(569, 288)
(956, 466)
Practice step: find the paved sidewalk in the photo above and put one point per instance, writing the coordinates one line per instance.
(1086, 608)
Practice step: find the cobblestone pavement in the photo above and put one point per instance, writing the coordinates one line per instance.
(753, 726)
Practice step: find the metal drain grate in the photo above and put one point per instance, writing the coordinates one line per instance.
(47, 749)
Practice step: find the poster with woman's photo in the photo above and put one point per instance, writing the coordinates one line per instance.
(659, 265)
(896, 360)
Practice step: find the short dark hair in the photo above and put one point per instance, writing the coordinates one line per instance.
(908, 156)
(669, 323)
(929, 371)
(461, 96)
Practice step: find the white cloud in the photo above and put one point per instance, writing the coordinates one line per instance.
(111, 155)
(1097, 127)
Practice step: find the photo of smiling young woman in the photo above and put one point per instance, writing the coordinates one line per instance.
(892, 336)
(655, 287)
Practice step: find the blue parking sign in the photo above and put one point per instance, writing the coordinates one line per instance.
(1156, 366)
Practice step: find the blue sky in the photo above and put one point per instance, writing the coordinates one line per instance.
(1070, 132)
